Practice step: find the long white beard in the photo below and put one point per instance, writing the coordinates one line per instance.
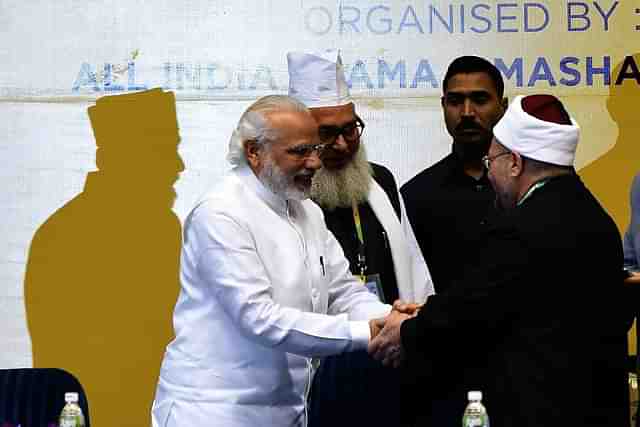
(333, 189)
(279, 183)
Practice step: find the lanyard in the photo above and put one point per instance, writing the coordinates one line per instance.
(533, 188)
(362, 261)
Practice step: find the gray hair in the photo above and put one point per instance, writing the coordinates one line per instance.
(254, 126)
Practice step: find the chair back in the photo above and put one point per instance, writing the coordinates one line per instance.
(34, 397)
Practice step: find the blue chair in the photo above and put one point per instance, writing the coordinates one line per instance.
(34, 397)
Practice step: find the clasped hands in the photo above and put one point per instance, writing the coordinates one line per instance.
(386, 345)
(633, 279)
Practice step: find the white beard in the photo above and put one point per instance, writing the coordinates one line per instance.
(279, 183)
(333, 189)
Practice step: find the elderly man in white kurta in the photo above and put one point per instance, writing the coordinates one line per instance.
(266, 288)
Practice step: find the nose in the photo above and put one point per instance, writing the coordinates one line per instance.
(340, 144)
(468, 108)
(313, 161)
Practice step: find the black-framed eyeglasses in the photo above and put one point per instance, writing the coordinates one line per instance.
(486, 160)
(305, 151)
(351, 132)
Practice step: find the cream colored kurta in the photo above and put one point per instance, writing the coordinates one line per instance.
(259, 275)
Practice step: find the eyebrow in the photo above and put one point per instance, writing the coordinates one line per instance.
(302, 146)
(468, 93)
(338, 125)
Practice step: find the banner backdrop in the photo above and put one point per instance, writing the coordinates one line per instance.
(217, 56)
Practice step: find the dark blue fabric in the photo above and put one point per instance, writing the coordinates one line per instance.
(34, 397)
(354, 390)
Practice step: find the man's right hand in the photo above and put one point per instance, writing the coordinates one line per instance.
(386, 347)
(375, 326)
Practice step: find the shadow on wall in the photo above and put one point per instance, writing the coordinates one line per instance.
(102, 274)
(609, 177)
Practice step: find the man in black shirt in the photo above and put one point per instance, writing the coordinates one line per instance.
(447, 202)
(447, 205)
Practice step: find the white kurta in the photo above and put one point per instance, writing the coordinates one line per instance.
(259, 275)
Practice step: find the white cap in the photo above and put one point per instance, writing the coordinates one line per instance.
(537, 139)
(71, 397)
(317, 79)
(474, 395)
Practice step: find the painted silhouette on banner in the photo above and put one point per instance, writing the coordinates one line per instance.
(609, 177)
(102, 274)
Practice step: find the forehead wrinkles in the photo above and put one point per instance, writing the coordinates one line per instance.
(291, 125)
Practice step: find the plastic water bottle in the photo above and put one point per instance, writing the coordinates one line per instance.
(71, 415)
(475, 414)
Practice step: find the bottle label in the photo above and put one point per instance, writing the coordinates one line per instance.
(69, 422)
(475, 421)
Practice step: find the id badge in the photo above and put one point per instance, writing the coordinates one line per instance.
(374, 284)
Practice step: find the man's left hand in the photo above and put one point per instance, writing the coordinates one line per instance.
(410, 308)
(387, 345)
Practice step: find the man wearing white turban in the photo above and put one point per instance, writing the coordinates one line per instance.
(542, 315)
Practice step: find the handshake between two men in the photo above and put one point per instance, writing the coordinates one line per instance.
(386, 343)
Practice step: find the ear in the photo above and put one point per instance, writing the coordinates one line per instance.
(504, 103)
(442, 101)
(252, 154)
(517, 165)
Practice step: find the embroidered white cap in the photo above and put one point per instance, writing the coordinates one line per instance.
(547, 141)
(317, 79)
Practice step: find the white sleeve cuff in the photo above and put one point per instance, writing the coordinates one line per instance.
(360, 335)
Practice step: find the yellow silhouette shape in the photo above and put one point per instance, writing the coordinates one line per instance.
(609, 177)
(102, 274)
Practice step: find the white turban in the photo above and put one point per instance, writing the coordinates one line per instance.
(538, 139)
(317, 79)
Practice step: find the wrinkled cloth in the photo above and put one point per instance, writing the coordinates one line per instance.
(259, 275)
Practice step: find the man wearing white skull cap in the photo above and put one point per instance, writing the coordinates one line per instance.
(542, 314)
(362, 208)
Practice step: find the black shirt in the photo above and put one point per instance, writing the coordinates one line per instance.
(447, 210)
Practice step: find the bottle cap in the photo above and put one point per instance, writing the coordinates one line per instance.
(474, 395)
(71, 397)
